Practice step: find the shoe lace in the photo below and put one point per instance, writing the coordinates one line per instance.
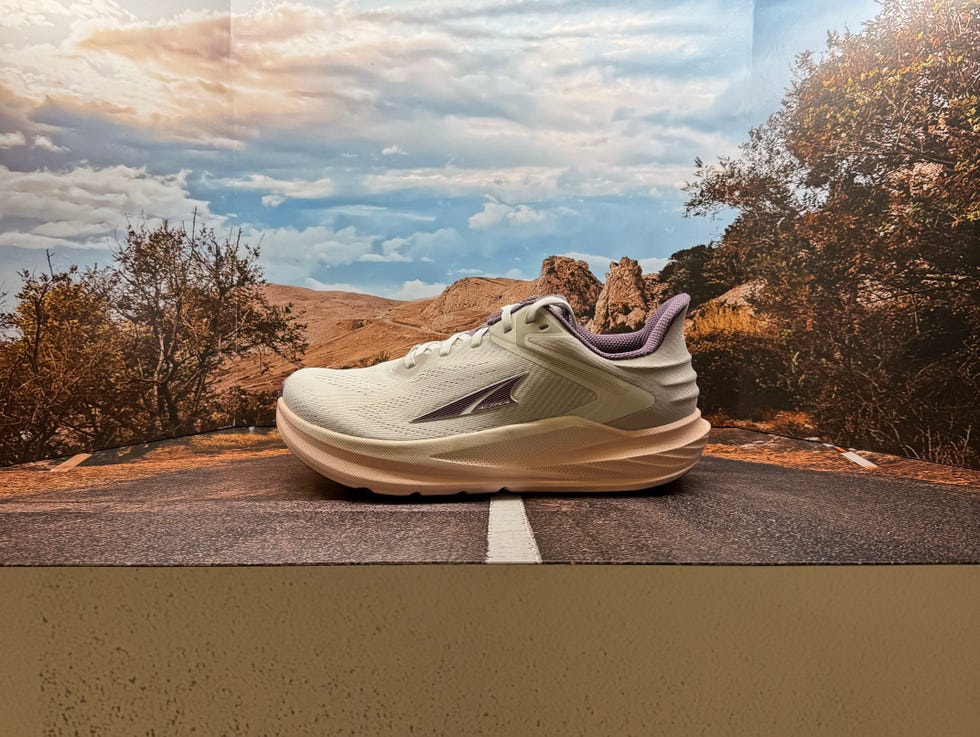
(475, 337)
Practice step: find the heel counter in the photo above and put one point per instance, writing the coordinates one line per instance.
(669, 375)
(675, 377)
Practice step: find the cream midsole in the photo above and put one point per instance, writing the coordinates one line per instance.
(550, 453)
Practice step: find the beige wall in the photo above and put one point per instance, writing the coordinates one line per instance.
(476, 650)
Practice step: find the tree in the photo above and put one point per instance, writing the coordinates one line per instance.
(136, 350)
(188, 303)
(61, 368)
(859, 209)
(686, 271)
(743, 369)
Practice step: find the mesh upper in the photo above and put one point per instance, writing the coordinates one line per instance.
(382, 401)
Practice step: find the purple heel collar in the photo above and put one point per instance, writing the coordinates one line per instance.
(643, 342)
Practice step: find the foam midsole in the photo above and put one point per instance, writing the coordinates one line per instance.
(557, 450)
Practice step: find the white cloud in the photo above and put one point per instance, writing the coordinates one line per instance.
(12, 140)
(311, 283)
(586, 101)
(31, 13)
(523, 214)
(45, 142)
(417, 289)
(495, 212)
(529, 183)
(290, 255)
(652, 265)
(419, 246)
(279, 190)
(526, 182)
(598, 264)
(409, 290)
(392, 257)
(529, 104)
(377, 212)
(81, 207)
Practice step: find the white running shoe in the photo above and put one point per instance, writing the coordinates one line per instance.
(530, 401)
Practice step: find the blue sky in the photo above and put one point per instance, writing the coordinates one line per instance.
(389, 147)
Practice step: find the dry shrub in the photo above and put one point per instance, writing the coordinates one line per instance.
(784, 422)
(741, 362)
(722, 318)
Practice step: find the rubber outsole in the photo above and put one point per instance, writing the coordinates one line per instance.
(567, 454)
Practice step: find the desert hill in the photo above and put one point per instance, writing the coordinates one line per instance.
(346, 329)
(466, 303)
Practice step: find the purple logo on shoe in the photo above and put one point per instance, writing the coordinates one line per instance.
(495, 395)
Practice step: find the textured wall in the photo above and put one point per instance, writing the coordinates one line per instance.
(490, 651)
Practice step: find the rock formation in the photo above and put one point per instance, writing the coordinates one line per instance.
(563, 275)
(622, 304)
(655, 291)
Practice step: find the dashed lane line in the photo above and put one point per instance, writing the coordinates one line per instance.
(510, 538)
(852, 457)
(72, 462)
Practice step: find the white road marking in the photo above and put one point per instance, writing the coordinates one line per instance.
(72, 462)
(509, 535)
(853, 457)
(858, 459)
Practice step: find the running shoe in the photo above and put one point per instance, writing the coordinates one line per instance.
(530, 401)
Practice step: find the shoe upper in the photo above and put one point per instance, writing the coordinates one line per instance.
(530, 361)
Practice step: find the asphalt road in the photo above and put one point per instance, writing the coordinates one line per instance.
(273, 510)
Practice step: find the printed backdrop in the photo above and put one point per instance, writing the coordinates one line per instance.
(388, 148)
(805, 169)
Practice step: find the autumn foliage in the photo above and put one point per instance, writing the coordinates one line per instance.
(859, 211)
(134, 351)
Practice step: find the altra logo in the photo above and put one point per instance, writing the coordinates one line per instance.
(495, 395)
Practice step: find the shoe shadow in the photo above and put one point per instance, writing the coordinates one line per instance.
(671, 488)
(330, 490)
